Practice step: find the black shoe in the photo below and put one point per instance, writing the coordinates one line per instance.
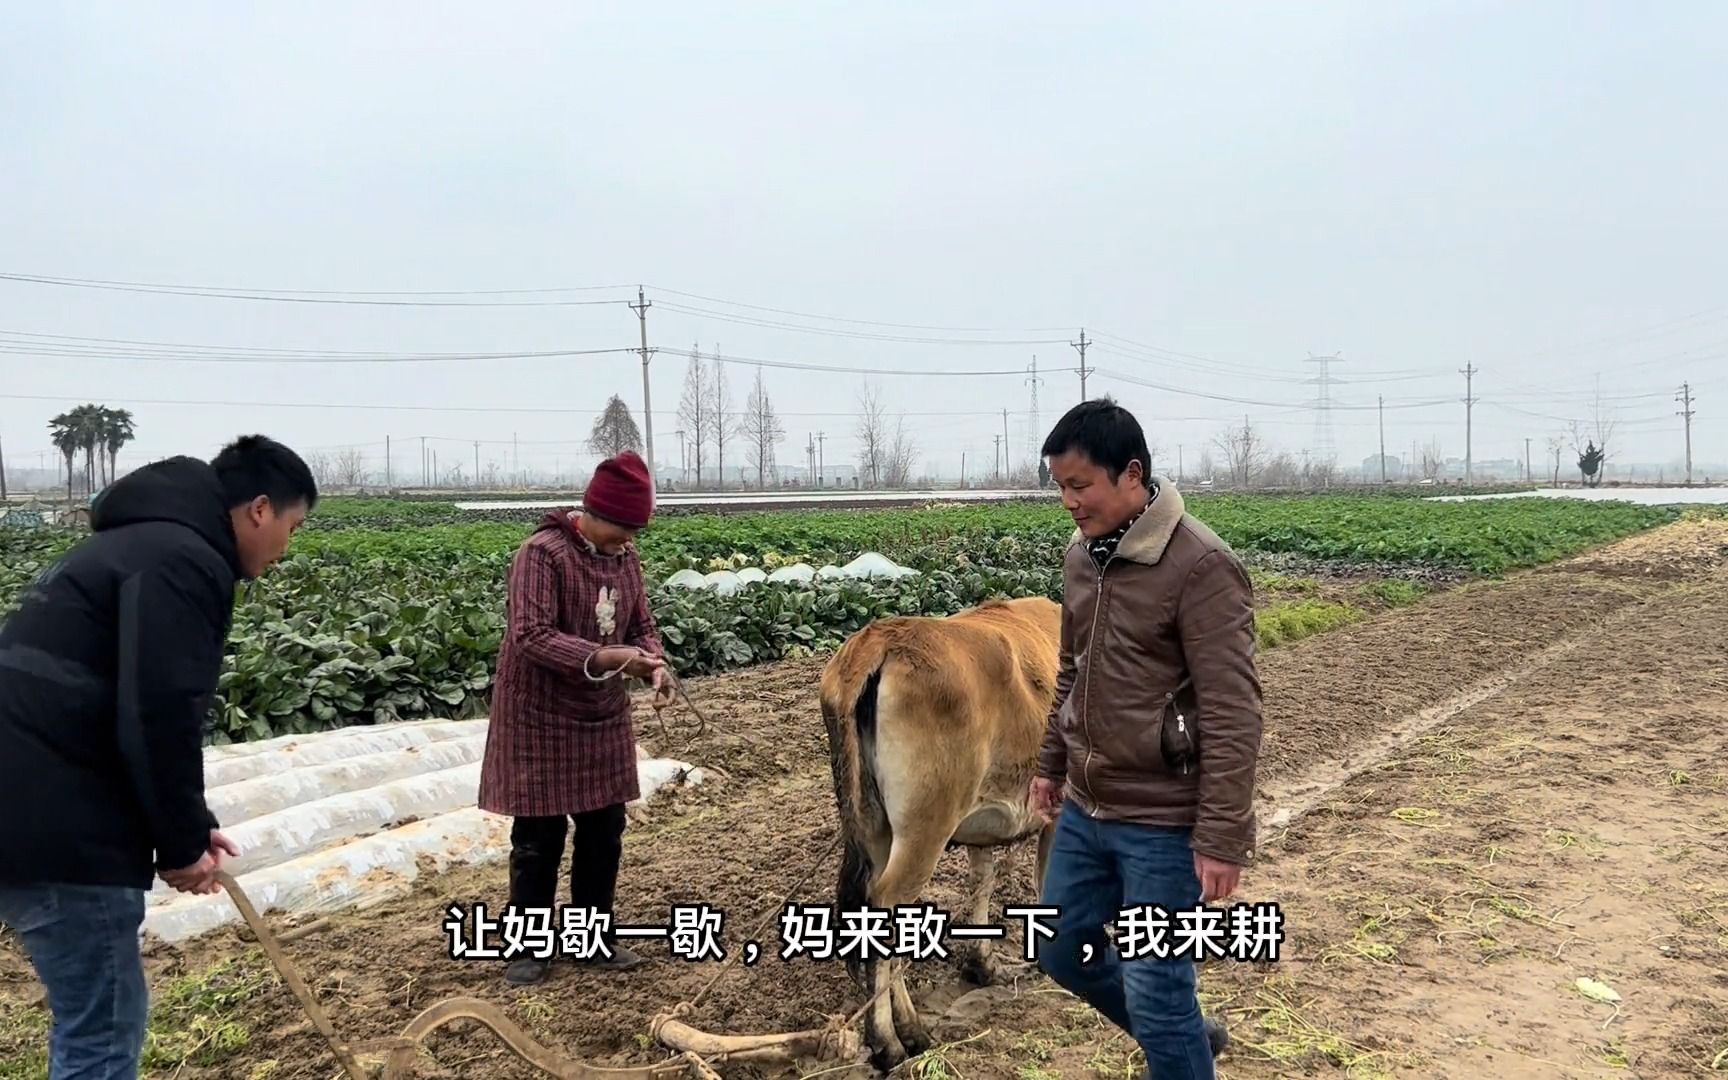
(623, 958)
(526, 971)
(1216, 1036)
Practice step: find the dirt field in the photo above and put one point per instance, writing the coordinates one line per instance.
(1468, 805)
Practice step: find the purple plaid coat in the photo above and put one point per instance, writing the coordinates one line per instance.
(558, 742)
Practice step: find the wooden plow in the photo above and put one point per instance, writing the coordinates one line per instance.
(695, 1053)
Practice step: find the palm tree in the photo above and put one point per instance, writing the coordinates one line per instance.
(88, 419)
(117, 431)
(64, 431)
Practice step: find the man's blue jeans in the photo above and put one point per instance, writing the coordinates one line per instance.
(83, 942)
(1096, 868)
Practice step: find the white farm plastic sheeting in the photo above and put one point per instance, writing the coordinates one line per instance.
(346, 817)
(413, 730)
(871, 564)
(298, 830)
(223, 769)
(343, 876)
(267, 794)
(372, 869)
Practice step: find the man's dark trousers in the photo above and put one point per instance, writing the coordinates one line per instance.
(83, 942)
(1096, 868)
(537, 848)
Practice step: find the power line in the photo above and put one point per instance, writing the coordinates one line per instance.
(746, 320)
(867, 322)
(309, 296)
(1150, 384)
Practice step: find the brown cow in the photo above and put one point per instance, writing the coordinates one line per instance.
(934, 726)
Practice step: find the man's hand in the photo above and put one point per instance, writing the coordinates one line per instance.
(200, 877)
(1218, 879)
(1045, 797)
(663, 687)
(221, 845)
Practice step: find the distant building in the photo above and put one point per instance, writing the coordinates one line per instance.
(1371, 466)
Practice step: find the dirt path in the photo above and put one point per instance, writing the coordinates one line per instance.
(1567, 821)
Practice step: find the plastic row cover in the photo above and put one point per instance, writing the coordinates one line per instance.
(248, 799)
(299, 830)
(431, 730)
(367, 871)
(725, 582)
(328, 747)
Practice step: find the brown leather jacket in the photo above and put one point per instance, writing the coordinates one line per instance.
(1157, 713)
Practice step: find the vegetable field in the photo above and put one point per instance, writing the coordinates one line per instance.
(393, 610)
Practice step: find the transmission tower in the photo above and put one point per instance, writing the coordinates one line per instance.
(1032, 439)
(1323, 407)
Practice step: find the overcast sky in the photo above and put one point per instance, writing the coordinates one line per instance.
(1537, 190)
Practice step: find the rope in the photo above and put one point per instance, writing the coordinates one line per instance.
(684, 1007)
(701, 720)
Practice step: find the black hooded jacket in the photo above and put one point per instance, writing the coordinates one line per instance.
(107, 670)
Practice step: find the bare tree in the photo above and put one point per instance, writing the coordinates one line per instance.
(761, 430)
(1431, 459)
(693, 409)
(1281, 470)
(1556, 446)
(1205, 466)
(900, 456)
(719, 401)
(872, 435)
(349, 467)
(1244, 453)
(614, 430)
(323, 467)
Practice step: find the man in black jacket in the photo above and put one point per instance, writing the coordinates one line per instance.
(107, 670)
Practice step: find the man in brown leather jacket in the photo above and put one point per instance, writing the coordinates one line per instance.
(1155, 734)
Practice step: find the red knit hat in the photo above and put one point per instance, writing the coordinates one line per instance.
(621, 491)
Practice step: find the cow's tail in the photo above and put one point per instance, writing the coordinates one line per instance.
(849, 692)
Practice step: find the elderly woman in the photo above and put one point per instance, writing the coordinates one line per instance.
(560, 748)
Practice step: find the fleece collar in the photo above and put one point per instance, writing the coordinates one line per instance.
(1151, 532)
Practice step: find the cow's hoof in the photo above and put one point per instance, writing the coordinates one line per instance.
(916, 1040)
(888, 1057)
(985, 971)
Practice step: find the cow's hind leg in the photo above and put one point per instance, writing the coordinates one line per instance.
(976, 962)
(892, 1027)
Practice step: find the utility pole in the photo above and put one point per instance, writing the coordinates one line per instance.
(810, 453)
(1526, 459)
(1032, 423)
(425, 477)
(476, 462)
(1686, 411)
(962, 469)
(821, 459)
(1469, 373)
(1179, 478)
(683, 458)
(387, 463)
(640, 307)
(998, 458)
(1005, 442)
(1382, 438)
(1081, 345)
